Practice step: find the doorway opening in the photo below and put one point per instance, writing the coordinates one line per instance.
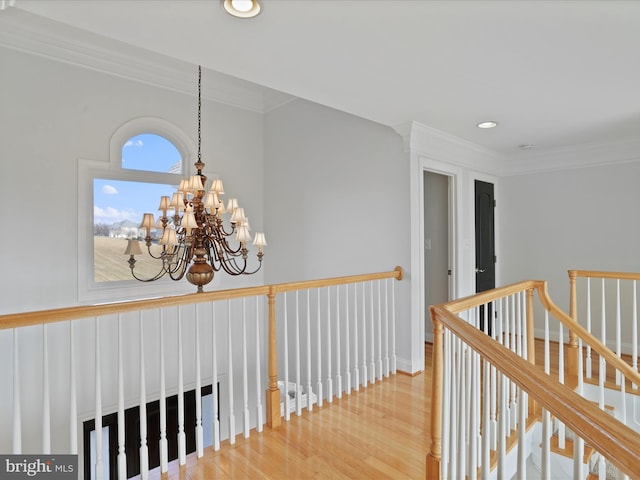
(438, 242)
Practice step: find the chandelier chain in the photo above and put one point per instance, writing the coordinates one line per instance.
(199, 111)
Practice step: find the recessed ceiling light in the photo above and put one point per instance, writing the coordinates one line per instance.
(526, 146)
(489, 124)
(242, 8)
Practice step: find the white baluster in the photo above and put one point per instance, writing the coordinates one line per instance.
(503, 424)
(329, 342)
(545, 465)
(199, 431)
(319, 390)
(522, 432)
(259, 393)
(46, 401)
(338, 346)
(546, 417)
(634, 333)
(514, 348)
(603, 318)
(524, 340)
(285, 320)
(561, 427)
(486, 420)
(347, 342)
(122, 456)
(309, 389)
(588, 359)
(473, 416)
(214, 380)
(578, 442)
(394, 362)
(99, 467)
(182, 439)
(356, 358)
(446, 401)
(17, 416)
(73, 397)
(618, 328)
(507, 344)
(623, 413)
(602, 366)
(144, 448)
(493, 423)
(372, 365)
(297, 360)
(462, 415)
(452, 418)
(386, 328)
(380, 371)
(232, 417)
(365, 376)
(163, 445)
(245, 373)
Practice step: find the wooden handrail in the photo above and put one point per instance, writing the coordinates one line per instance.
(602, 350)
(600, 274)
(487, 296)
(540, 286)
(617, 442)
(16, 320)
(396, 273)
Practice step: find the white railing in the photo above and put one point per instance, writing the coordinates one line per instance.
(495, 412)
(215, 355)
(606, 305)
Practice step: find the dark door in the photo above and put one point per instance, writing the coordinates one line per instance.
(485, 243)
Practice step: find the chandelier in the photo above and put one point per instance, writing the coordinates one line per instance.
(195, 240)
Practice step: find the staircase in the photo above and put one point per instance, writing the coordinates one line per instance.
(487, 378)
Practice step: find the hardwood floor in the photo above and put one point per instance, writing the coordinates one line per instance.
(380, 432)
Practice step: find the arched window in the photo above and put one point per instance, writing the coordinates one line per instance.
(150, 152)
(147, 161)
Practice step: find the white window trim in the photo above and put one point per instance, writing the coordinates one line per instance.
(90, 291)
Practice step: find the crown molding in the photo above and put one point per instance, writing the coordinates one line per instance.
(29, 33)
(437, 145)
(574, 156)
(441, 146)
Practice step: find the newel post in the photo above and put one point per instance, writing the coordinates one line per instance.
(273, 392)
(434, 457)
(572, 350)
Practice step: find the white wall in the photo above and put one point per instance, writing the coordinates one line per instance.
(336, 200)
(53, 114)
(581, 218)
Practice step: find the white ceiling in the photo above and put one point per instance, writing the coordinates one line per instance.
(554, 74)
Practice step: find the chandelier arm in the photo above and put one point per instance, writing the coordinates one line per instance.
(158, 275)
(232, 267)
(215, 237)
(255, 271)
(212, 255)
(155, 257)
(181, 263)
